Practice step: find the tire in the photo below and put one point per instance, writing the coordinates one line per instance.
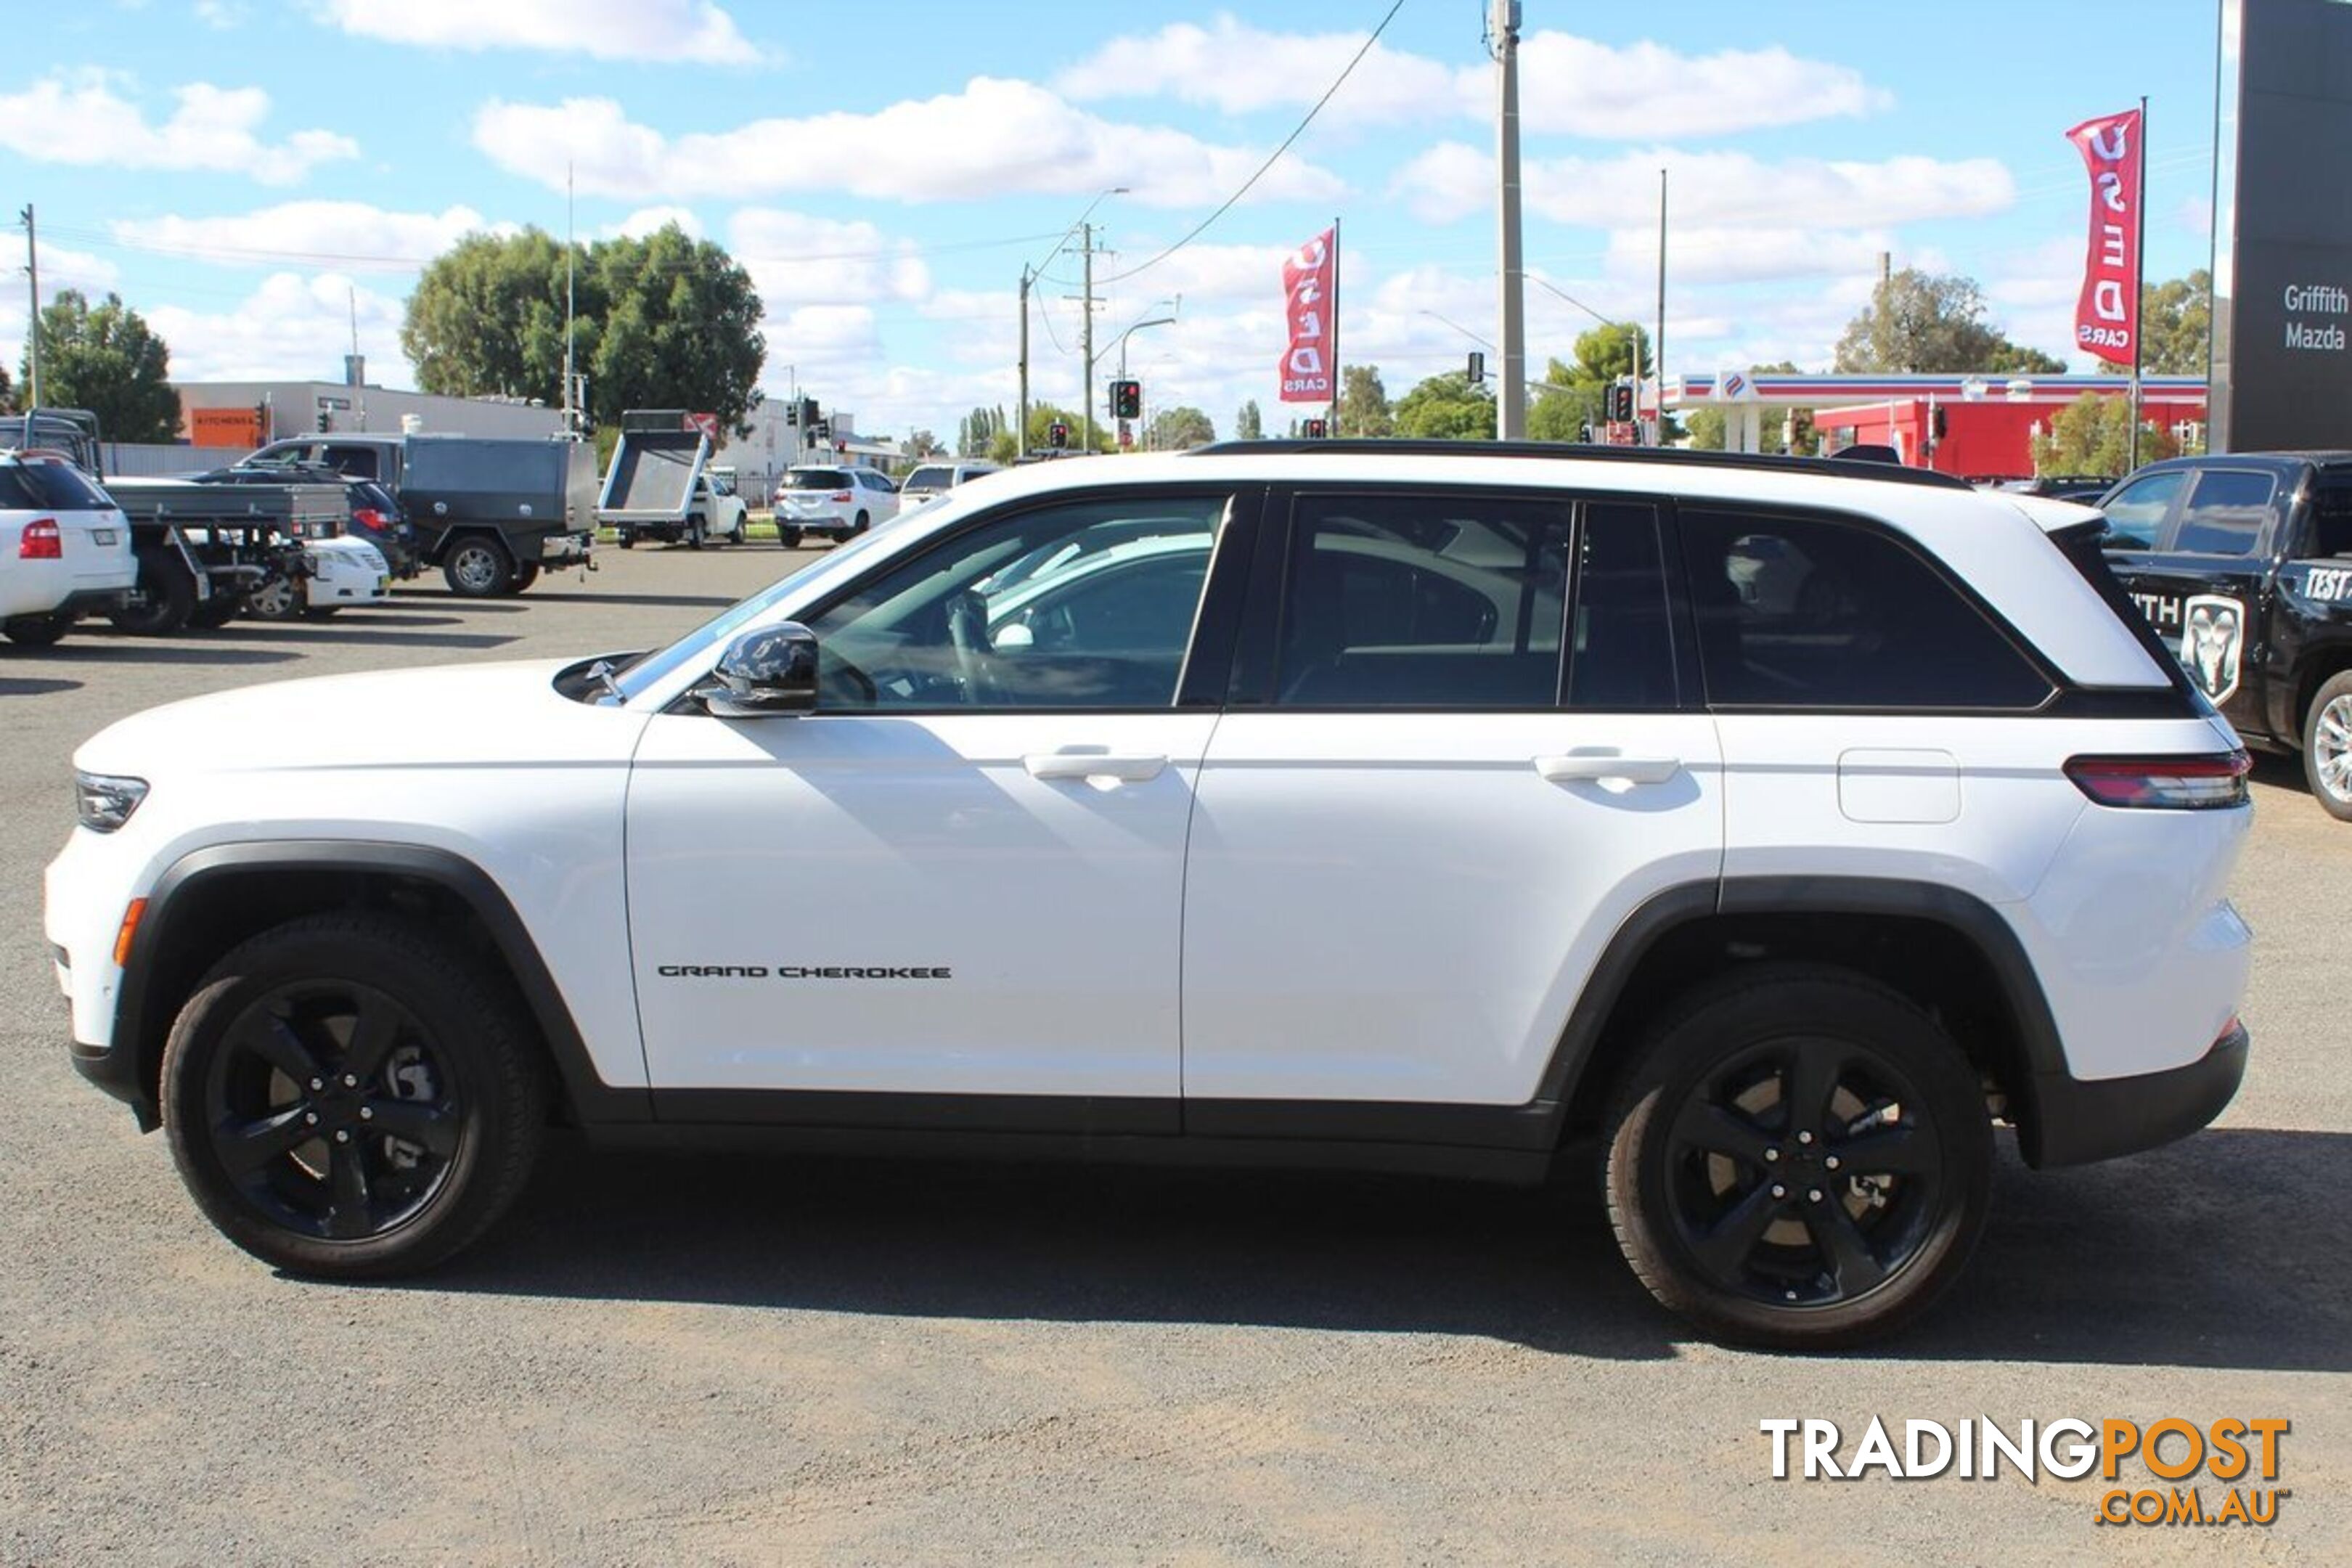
(524, 576)
(319, 612)
(790, 538)
(458, 1067)
(211, 614)
(36, 631)
(1700, 1140)
(276, 597)
(863, 524)
(695, 531)
(626, 539)
(477, 567)
(167, 597)
(2327, 746)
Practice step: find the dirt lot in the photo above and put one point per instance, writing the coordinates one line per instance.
(736, 1360)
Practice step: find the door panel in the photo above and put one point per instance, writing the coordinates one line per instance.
(1400, 906)
(2203, 588)
(920, 912)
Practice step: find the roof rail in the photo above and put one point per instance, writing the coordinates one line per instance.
(1360, 445)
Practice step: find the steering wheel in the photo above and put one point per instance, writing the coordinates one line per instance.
(968, 634)
(861, 683)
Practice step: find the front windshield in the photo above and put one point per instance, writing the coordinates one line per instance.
(651, 670)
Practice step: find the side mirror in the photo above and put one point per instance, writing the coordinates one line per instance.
(765, 673)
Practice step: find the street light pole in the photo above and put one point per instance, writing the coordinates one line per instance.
(1511, 396)
(1021, 431)
(1087, 335)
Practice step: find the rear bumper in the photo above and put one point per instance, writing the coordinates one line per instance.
(2079, 1120)
(562, 549)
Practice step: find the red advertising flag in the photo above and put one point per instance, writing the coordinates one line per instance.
(1308, 286)
(2106, 316)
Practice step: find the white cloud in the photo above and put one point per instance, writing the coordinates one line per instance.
(291, 326)
(994, 138)
(223, 14)
(653, 220)
(798, 260)
(1238, 68)
(632, 30)
(1451, 180)
(1569, 85)
(79, 119)
(353, 236)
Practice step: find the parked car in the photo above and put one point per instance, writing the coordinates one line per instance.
(931, 480)
(837, 502)
(329, 564)
(2243, 564)
(65, 547)
(1432, 806)
(377, 515)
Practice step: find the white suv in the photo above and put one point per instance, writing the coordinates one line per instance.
(64, 548)
(839, 501)
(1779, 826)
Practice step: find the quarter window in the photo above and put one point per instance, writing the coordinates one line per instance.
(1809, 612)
(1424, 601)
(1084, 604)
(2225, 512)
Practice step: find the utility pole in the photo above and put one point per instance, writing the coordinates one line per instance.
(1658, 341)
(1511, 396)
(1086, 336)
(1021, 430)
(33, 322)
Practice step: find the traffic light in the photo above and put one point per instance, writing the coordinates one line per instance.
(1058, 435)
(1127, 400)
(1476, 372)
(1315, 429)
(807, 413)
(326, 422)
(1620, 402)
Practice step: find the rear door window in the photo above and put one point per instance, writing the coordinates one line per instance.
(49, 487)
(816, 479)
(2135, 516)
(1797, 611)
(2225, 512)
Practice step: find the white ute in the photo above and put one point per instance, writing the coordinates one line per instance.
(1780, 829)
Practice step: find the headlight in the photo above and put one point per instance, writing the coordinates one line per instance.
(105, 803)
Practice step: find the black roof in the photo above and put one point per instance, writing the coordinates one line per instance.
(1670, 457)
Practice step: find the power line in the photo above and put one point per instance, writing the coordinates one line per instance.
(1202, 227)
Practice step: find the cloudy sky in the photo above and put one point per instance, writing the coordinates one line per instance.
(251, 173)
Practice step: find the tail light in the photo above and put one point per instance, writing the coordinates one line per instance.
(367, 517)
(2171, 783)
(41, 542)
(844, 495)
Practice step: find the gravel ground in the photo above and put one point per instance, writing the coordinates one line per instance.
(731, 1360)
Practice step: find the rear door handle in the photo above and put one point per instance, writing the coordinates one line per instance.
(1601, 767)
(1094, 765)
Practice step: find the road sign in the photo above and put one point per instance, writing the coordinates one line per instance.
(705, 423)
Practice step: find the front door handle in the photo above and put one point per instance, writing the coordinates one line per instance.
(1605, 767)
(1093, 766)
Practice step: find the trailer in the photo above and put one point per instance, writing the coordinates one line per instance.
(661, 486)
(202, 548)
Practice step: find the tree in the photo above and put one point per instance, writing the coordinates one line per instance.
(664, 321)
(1179, 429)
(1249, 425)
(1919, 322)
(1447, 408)
(1043, 416)
(1364, 403)
(922, 444)
(1564, 406)
(2016, 359)
(7, 392)
(2175, 324)
(2092, 434)
(106, 360)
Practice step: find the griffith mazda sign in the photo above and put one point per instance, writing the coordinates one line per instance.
(2282, 228)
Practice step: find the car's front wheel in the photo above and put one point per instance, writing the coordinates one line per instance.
(277, 597)
(346, 1096)
(1802, 1159)
(2327, 746)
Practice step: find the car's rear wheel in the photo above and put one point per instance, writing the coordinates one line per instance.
(346, 1096)
(625, 539)
(36, 631)
(163, 600)
(211, 614)
(862, 524)
(790, 538)
(1802, 1159)
(2327, 746)
(477, 568)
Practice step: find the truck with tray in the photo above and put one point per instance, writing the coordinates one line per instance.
(661, 486)
(492, 513)
(202, 548)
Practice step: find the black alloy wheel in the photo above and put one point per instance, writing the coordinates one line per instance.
(347, 1096)
(1804, 1160)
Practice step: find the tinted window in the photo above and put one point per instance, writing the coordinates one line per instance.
(1104, 622)
(932, 477)
(1803, 612)
(2139, 509)
(1431, 602)
(1622, 653)
(2225, 512)
(360, 462)
(816, 479)
(2331, 520)
(48, 487)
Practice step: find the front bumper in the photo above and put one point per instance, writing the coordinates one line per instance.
(118, 1074)
(2078, 1120)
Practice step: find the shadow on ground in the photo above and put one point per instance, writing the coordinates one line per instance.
(12, 687)
(2232, 1249)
